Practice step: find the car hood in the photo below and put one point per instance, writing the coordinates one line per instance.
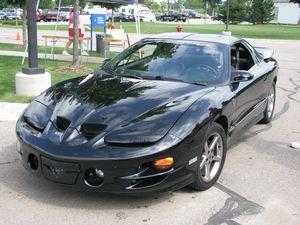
(109, 104)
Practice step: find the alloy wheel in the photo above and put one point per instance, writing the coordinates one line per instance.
(211, 158)
(271, 101)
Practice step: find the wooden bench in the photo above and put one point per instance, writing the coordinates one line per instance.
(54, 39)
(116, 37)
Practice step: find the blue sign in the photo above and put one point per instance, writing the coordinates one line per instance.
(98, 20)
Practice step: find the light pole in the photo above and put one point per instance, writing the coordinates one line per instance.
(32, 40)
(32, 80)
(226, 31)
(227, 14)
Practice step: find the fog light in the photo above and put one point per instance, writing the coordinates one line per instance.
(93, 177)
(163, 164)
(33, 162)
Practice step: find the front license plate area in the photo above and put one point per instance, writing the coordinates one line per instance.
(60, 172)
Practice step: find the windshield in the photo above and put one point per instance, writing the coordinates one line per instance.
(200, 62)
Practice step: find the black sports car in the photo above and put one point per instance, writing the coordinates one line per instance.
(157, 117)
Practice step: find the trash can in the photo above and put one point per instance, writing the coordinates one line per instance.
(101, 46)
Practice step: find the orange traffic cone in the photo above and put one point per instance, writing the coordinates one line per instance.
(18, 38)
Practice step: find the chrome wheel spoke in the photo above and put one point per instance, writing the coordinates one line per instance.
(203, 162)
(207, 171)
(217, 158)
(213, 143)
(206, 149)
(271, 99)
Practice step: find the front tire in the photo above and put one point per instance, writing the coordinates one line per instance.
(269, 111)
(211, 158)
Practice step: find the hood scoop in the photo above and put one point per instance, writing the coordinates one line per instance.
(62, 123)
(91, 130)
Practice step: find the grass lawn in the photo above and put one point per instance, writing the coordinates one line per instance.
(10, 65)
(269, 31)
(41, 49)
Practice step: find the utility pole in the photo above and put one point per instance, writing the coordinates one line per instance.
(227, 16)
(32, 80)
(76, 34)
(32, 40)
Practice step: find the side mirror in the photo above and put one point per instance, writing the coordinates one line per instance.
(105, 61)
(240, 76)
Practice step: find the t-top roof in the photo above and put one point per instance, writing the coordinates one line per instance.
(218, 38)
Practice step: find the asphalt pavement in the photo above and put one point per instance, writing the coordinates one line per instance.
(260, 182)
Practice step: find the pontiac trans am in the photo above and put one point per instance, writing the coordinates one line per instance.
(157, 117)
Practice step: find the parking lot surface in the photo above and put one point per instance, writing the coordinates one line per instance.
(260, 183)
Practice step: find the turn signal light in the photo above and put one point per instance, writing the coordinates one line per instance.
(163, 164)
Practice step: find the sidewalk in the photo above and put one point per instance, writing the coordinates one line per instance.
(11, 111)
(8, 35)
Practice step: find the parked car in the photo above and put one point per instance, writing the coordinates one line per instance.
(38, 16)
(2, 16)
(121, 17)
(219, 17)
(12, 15)
(51, 15)
(142, 10)
(172, 16)
(194, 15)
(157, 117)
(64, 13)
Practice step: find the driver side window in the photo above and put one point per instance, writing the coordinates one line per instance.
(241, 58)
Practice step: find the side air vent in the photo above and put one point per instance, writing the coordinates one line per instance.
(62, 123)
(91, 130)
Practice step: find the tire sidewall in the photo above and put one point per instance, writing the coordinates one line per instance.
(199, 184)
(270, 118)
(267, 119)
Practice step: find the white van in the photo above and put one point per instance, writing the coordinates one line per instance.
(144, 12)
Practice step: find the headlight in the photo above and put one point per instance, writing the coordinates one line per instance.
(37, 115)
(139, 133)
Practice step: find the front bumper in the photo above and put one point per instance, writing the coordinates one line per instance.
(120, 176)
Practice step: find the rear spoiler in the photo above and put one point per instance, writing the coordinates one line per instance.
(266, 53)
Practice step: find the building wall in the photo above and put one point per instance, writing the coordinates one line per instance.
(287, 13)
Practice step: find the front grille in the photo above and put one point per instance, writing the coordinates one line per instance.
(91, 130)
(60, 172)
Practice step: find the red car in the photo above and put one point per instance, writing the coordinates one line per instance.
(38, 16)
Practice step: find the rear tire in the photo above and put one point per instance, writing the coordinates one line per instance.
(269, 111)
(211, 158)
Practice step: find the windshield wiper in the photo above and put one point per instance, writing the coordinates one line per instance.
(131, 76)
(198, 83)
(109, 71)
(168, 78)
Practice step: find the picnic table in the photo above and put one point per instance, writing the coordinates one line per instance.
(55, 38)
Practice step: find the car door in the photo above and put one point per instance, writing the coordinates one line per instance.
(249, 95)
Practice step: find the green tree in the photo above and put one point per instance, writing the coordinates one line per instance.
(45, 4)
(194, 4)
(295, 1)
(213, 4)
(261, 11)
(70, 2)
(237, 12)
(153, 5)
